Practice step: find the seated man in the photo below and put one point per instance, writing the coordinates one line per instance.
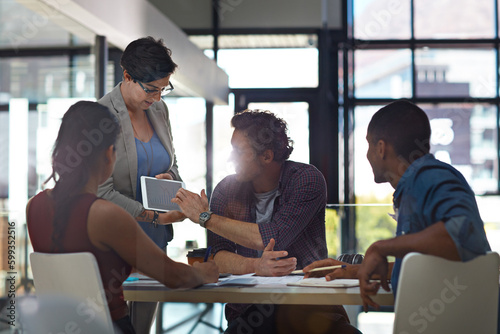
(268, 218)
(434, 206)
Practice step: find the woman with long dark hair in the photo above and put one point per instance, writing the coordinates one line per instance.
(71, 218)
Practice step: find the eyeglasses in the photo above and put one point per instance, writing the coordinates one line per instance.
(164, 91)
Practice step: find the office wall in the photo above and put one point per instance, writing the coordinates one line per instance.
(122, 21)
(251, 14)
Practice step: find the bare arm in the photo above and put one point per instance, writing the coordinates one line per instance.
(269, 264)
(245, 234)
(233, 263)
(135, 247)
(434, 240)
(350, 271)
(164, 218)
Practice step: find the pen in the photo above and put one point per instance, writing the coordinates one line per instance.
(131, 279)
(319, 269)
(207, 253)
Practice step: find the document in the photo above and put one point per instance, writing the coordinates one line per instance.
(253, 280)
(237, 280)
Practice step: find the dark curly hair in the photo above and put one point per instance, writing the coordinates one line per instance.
(265, 132)
(147, 59)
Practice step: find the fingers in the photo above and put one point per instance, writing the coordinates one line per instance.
(270, 246)
(283, 271)
(165, 176)
(320, 263)
(336, 273)
(182, 193)
(367, 301)
(384, 283)
(283, 267)
(186, 195)
(350, 271)
(367, 290)
(203, 195)
(209, 269)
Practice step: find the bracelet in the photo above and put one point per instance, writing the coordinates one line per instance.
(155, 219)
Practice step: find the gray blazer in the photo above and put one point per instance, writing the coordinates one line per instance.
(121, 187)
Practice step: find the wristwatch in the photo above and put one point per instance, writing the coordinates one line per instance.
(154, 222)
(204, 217)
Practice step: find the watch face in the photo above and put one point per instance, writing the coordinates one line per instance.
(204, 215)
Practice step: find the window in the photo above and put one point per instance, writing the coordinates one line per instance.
(270, 68)
(187, 119)
(450, 70)
(455, 72)
(381, 19)
(296, 115)
(382, 73)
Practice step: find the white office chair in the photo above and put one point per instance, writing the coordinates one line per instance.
(56, 314)
(438, 296)
(73, 275)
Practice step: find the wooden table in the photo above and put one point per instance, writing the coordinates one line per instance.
(261, 294)
(153, 291)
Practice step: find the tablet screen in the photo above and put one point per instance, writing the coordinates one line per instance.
(157, 193)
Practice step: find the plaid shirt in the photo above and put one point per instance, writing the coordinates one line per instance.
(298, 219)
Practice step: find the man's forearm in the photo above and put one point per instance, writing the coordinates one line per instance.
(233, 263)
(242, 233)
(434, 240)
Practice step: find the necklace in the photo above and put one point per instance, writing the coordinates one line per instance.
(150, 165)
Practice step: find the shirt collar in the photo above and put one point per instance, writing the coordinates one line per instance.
(415, 165)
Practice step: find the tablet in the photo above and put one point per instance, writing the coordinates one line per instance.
(157, 193)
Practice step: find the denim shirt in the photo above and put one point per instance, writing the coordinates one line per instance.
(431, 191)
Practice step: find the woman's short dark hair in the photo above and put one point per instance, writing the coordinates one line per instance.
(147, 59)
(265, 132)
(403, 125)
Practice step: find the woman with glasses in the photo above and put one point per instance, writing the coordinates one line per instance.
(144, 146)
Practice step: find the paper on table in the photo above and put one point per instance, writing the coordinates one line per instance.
(251, 280)
(321, 282)
(280, 280)
(239, 280)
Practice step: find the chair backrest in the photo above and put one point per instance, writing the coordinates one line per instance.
(438, 296)
(73, 275)
(56, 314)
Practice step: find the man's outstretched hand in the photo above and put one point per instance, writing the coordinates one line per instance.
(272, 264)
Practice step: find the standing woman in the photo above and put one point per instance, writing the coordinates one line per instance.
(144, 145)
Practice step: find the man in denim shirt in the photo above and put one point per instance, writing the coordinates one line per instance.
(435, 208)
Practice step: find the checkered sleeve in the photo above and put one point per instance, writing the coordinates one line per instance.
(218, 206)
(303, 197)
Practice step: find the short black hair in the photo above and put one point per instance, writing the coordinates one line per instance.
(405, 126)
(265, 132)
(147, 59)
